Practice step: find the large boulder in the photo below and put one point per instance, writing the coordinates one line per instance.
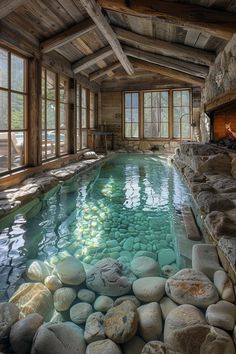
(181, 317)
(9, 314)
(149, 289)
(150, 321)
(208, 201)
(109, 277)
(33, 298)
(143, 266)
(121, 322)
(201, 339)
(191, 287)
(105, 346)
(59, 338)
(222, 315)
(23, 331)
(70, 271)
(94, 330)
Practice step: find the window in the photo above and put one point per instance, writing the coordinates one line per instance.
(84, 124)
(13, 111)
(181, 114)
(131, 125)
(156, 117)
(64, 114)
(49, 136)
(92, 111)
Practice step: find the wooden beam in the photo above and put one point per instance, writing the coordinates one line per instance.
(194, 55)
(68, 35)
(83, 80)
(91, 59)
(97, 74)
(6, 6)
(185, 67)
(94, 11)
(174, 74)
(218, 23)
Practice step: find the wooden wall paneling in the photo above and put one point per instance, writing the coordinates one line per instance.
(218, 23)
(34, 112)
(95, 13)
(72, 9)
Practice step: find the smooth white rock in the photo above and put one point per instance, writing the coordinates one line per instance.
(149, 289)
(224, 286)
(145, 267)
(222, 315)
(167, 305)
(70, 271)
(63, 298)
(52, 282)
(150, 321)
(37, 270)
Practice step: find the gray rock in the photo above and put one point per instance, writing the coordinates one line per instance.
(132, 298)
(205, 259)
(9, 314)
(201, 339)
(167, 305)
(109, 277)
(157, 347)
(94, 330)
(103, 303)
(220, 224)
(80, 312)
(150, 321)
(121, 322)
(86, 295)
(208, 202)
(228, 246)
(182, 317)
(219, 163)
(70, 271)
(37, 270)
(225, 184)
(105, 346)
(222, 315)
(191, 287)
(149, 289)
(63, 298)
(224, 286)
(133, 346)
(169, 270)
(166, 256)
(59, 338)
(145, 267)
(23, 331)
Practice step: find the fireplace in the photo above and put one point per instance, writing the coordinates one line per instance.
(223, 126)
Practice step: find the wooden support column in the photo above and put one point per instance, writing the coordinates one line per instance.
(72, 117)
(34, 113)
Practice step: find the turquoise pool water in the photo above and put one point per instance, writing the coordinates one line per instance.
(131, 204)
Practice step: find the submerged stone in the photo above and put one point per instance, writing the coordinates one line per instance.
(166, 256)
(94, 330)
(150, 321)
(70, 271)
(145, 267)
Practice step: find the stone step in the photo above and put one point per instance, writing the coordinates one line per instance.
(192, 230)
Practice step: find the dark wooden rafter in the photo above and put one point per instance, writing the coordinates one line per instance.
(172, 63)
(94, 11)
(8, 6)
(174, 74)
(99, 73)
(68, 35)
(218, 23)
(175, 50)
(91, 59)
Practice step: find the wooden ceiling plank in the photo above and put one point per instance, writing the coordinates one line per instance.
(99, 73)
(91, 59)
(68, 35)
(95, 13)
(174, 74)
(6, 6)
(172, 63)
(176, 50)
(218, 23)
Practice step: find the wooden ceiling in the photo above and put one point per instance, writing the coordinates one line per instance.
(110, 45)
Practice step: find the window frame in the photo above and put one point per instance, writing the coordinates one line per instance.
(170, 113)
(139, 115)
(25, 94)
